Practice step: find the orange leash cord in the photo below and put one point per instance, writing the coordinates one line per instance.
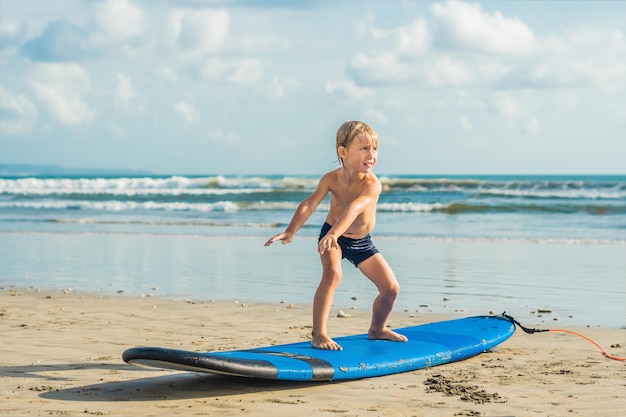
(531, 331)
(604, 352)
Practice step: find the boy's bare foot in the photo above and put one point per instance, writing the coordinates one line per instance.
(387, 334)
(324, 342)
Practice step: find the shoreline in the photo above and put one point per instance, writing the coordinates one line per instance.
(581, 284)
(62, 355)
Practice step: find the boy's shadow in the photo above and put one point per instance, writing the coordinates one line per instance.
(170, 385)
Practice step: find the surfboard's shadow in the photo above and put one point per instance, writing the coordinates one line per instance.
(172, 387)
(40, 371)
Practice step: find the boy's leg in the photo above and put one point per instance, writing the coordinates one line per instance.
(323, 301)
(380, 273)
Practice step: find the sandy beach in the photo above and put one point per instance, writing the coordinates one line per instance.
(61, 355)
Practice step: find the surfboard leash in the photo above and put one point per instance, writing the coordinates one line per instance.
(532, 331)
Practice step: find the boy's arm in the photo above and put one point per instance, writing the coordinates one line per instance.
(305, 209)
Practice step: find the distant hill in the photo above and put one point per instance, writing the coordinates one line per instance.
(35, 170)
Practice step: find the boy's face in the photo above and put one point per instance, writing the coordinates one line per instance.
(361, 155)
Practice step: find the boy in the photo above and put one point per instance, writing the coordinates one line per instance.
(354, 190)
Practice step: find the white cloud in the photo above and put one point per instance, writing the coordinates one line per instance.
(469, 26)
(105, 25)
(19, 114)
(280, 86)
(214, 69)
(187, 111)
(376, 116)
(516, 110)
(411, 55)
(260, 43)
(447, 71)
(507, 105)
(377, 68)
(566, 100)
(119, 19)
(12, 32)
(62, 88)
(124, 90)
(411, 40)
(241, 71)
(116, 131)
(222, 136)
(466, 124)
(347, 90)
(197, 32)
(246, 71)
(60, 41)
(167, 73)
(588, 56)
(532, 126)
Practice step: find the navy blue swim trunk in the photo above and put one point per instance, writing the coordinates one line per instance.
(354, 250)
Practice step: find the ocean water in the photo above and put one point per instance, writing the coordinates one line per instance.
(463, 244)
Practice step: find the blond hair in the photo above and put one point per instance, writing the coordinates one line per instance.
(350, 130)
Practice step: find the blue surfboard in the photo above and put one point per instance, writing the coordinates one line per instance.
(429, 345)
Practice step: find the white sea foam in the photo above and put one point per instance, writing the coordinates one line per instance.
(613, 193)
(220, 185)
(226, 206)
(176, 185)
(411, 207)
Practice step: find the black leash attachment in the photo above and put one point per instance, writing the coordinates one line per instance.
(525, 329)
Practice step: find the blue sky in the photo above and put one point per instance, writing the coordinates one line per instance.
(260, 87)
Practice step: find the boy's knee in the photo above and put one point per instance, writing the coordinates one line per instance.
(331, 276)
(391, 293)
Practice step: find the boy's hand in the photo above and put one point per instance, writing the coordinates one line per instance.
(283, 237)
(326, 243)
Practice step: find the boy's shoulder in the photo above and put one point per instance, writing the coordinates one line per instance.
(336, 177)
(333, 174)
(374, 182)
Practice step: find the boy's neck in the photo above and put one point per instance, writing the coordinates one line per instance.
(352, 175)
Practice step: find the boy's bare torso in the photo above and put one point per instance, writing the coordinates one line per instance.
(345, 191)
